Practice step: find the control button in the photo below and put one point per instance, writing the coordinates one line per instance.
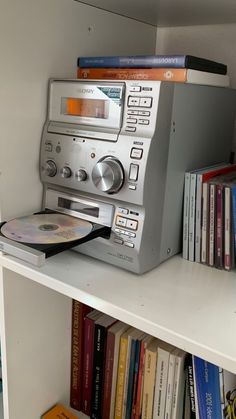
(130, 129)
(118, 241)
(132, 187)
(48, 147)
(130, 112)
(135, 89)
(81, 175)
(144, 113)
(146, 102)
(129, 244)
(143, 121)
(58, 149)
(131, 121)
(118, 230)
(133, 172)
(133, 101)
(121, 221)
(123, 210)
(66, 172)
(136, 153)
(50, 168)
(132, 224)
(128, 233)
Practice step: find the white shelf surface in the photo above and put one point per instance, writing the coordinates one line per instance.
(187, 304)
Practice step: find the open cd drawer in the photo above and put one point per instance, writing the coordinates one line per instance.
(18, 237)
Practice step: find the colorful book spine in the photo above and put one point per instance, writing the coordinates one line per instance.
(88, 361)
(149, 380)
(163, 355)
(121, 376)
(130, 380)
(108, 371)
(79, 312)
(192, 213)
(228, 262)
(211, 239)
(177, 75)
(146, 61)
(100, 335)
(138, 405)
(186, 214)
(170, 386)
(234, 215)
(208, 389)
(219, 226)
(191, 385)
(179, 386)
(135, 385)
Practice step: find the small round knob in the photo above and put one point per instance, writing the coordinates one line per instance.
(81, 175)
(50, 168)
(66, 172)
(108, 175)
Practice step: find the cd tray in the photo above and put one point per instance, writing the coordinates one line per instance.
(36, 253)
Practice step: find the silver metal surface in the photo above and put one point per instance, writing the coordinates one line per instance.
(107, 175)
(22, 251)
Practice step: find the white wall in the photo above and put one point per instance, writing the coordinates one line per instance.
(216, 42)
(41, 39)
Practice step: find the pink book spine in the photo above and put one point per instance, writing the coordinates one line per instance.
(219, 226)
(88, 365)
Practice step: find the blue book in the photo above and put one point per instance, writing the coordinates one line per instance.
(150, 61)
(208, 389)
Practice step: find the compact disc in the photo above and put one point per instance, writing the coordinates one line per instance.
(46, 228)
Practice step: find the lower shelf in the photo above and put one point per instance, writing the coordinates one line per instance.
(186, 304)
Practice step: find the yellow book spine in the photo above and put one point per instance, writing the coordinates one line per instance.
(121, 377)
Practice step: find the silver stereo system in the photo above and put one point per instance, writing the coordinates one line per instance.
(115, 153)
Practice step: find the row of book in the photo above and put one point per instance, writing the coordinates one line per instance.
(209, 215)
(173, 68)
(120, 372)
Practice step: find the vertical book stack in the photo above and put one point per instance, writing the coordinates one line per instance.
(128, 374)
(209, 215)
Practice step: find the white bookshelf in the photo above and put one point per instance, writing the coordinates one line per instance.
(187, 304)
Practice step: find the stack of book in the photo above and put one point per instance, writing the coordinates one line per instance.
(173, 68)
(128, 374)
(209, 215)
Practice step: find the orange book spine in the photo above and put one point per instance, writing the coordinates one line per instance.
(163, 74)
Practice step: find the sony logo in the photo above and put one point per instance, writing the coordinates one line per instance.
(85, 90)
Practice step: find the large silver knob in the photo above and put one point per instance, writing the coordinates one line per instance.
(50, 168)
(66, 172)
(108, 175)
